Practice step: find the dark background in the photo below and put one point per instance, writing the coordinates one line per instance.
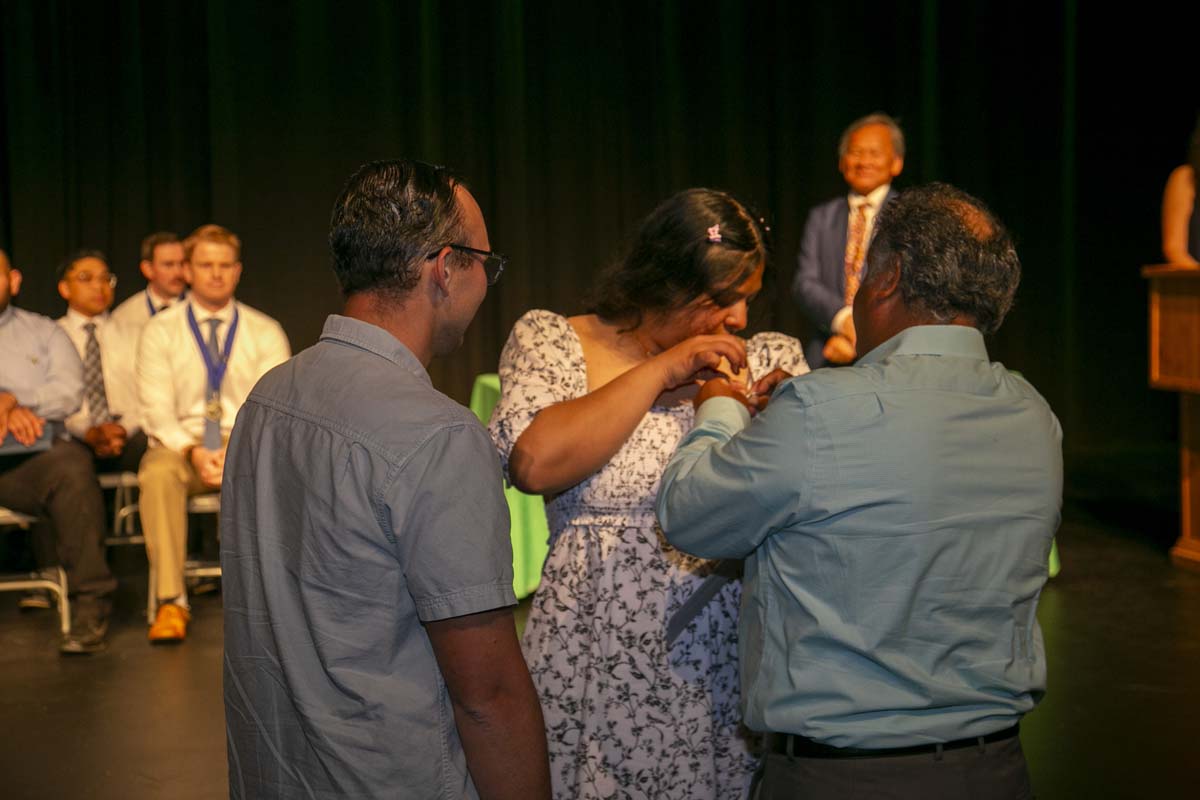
(572, 120)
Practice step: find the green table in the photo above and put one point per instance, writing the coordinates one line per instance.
(530, 536)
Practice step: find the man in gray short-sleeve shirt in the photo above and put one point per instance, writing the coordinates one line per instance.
(370, 648)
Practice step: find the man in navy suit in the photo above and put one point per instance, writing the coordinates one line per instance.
(838, 232)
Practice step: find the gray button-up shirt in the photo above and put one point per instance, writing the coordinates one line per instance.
(358, 503)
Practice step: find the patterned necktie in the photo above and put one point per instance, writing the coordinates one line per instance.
(93, 378)
(212, 406)
(855, 249)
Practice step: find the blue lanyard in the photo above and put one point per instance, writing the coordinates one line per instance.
(216, 371)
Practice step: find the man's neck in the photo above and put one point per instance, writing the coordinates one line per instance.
(212, 308)
(410, 329)
(158, 298)
(86, 317)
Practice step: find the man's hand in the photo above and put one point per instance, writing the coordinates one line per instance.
(25, 426)
(209, 465)
(763, 387)
(847, 329)
(107, 439)
(721, 387)
(839, 349)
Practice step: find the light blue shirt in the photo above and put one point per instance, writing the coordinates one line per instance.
(39, 365)
(896, 517)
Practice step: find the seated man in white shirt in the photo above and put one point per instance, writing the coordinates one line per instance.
(108, 422)
(166, 284)
(196, 364)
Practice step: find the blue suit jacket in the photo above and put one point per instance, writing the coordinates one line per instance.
(820, 283)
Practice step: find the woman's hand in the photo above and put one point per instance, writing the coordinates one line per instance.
(699, 358)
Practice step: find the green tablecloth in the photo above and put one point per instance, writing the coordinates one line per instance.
(530, 536)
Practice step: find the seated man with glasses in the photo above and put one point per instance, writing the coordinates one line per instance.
(107, 421)
(45, 476)
(196, 363)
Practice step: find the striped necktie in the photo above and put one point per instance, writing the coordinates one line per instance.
(212, 414)
(93, 378)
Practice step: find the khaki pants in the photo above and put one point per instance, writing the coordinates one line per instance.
(165, 482)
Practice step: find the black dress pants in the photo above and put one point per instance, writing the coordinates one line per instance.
(58, 486)
(995, 771)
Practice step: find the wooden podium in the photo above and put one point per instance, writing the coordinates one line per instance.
(1175, 365)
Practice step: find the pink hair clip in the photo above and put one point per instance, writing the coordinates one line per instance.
(714, 233)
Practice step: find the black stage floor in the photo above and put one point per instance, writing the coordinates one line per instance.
(1121, 718)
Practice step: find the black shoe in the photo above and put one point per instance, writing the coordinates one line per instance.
(88, 627)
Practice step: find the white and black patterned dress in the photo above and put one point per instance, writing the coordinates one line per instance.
(626, 717)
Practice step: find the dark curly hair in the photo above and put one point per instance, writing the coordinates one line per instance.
(675, 259)
(955, 257)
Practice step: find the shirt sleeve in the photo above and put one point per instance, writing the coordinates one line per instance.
(156, 389)
(732, 481)
(538, 368)
(451, 525)
(61, 392)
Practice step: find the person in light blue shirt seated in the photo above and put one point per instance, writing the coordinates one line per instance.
(41, 383)
(895, 517)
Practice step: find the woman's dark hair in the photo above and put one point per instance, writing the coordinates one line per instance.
(697, 242)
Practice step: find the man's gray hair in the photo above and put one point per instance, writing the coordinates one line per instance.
(878, 118)
(955, 256)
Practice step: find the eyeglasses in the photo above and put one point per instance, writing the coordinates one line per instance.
(100, 277)
(493, 262)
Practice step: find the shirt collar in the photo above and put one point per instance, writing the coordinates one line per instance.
(7, 314)
(77, 320)
(931, 340)
(225, 314)
(159, 301)
(875, 198)
(375, 340)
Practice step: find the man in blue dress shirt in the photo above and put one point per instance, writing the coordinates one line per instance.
(895, 517)
(41, 381)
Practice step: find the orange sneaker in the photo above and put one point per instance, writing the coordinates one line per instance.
(170, 624)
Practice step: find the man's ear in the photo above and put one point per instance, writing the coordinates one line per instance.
(14, 281)
(63, 291)
(885, 278)
(440, 271)
(147, 269)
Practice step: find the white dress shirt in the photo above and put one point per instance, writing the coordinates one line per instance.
(134, 312)
(172, 380)
(118, 350)
(874, 200)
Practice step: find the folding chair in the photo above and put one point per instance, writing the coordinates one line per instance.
(36, 580)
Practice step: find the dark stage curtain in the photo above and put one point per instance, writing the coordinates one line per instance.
(572, 120)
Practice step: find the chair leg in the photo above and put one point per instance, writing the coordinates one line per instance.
(64, 604)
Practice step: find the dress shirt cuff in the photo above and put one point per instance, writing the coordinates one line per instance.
(78, 424)
(839, 319)
(728, 413)
(176, 439)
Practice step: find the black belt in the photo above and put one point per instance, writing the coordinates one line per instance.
(791, 744)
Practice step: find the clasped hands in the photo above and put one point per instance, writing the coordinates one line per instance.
(754, 398)
(842, 346)
(24, 425)
(107, 439)
(209, 465)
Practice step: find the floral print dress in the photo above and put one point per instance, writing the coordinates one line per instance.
(626, 715)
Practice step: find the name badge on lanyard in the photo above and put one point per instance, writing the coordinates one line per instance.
(214, 366)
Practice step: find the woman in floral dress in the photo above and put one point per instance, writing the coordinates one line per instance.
(591, 409)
